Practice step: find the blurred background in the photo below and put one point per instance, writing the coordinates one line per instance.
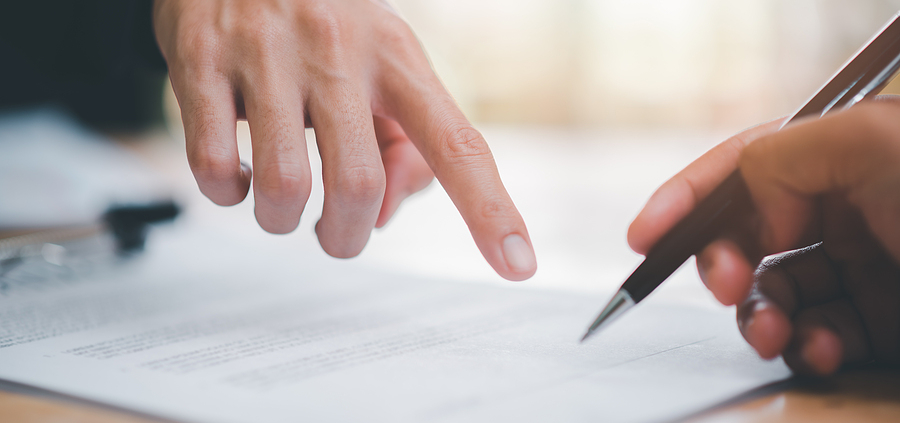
(708, 64)
(588, 106)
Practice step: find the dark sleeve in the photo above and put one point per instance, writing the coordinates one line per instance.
(97, 58)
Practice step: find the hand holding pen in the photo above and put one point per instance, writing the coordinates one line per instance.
(834, 184)
(791, 195)
(727, 207)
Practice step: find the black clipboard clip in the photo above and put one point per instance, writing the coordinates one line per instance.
(40, 254)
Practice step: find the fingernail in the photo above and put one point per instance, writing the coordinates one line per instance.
(818, 353)
(758, 308)
(703, 265)
(519, 255)
(814, 354)
(748, 317)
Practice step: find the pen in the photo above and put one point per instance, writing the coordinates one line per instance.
(863, 76)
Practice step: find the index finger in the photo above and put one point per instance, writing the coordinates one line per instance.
(464, 165)
(679, 195)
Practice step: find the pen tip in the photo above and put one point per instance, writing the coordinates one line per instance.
(619, 304)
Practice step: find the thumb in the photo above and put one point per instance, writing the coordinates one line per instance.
(851, 151)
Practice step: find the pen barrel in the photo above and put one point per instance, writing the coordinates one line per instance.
(729, 210)
(720, 210)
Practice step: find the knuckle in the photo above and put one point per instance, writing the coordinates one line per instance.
(394, 31)
(283, 185)
(494, 208)
(198, 48)
(265, 40)
(753, 154)
(322, 22)
(870, 143)
(879, 124)
(260, 33)
(212, 165)
(461, 141)
(360, 184)
(736, 144)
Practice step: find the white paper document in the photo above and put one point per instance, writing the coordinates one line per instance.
(201, 329)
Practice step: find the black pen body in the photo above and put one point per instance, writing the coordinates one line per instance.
(729, 202)
(728, 210)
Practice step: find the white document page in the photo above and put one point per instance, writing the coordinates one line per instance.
(238, 334)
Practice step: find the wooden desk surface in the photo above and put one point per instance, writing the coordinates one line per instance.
(870, 395)
(866, 395)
